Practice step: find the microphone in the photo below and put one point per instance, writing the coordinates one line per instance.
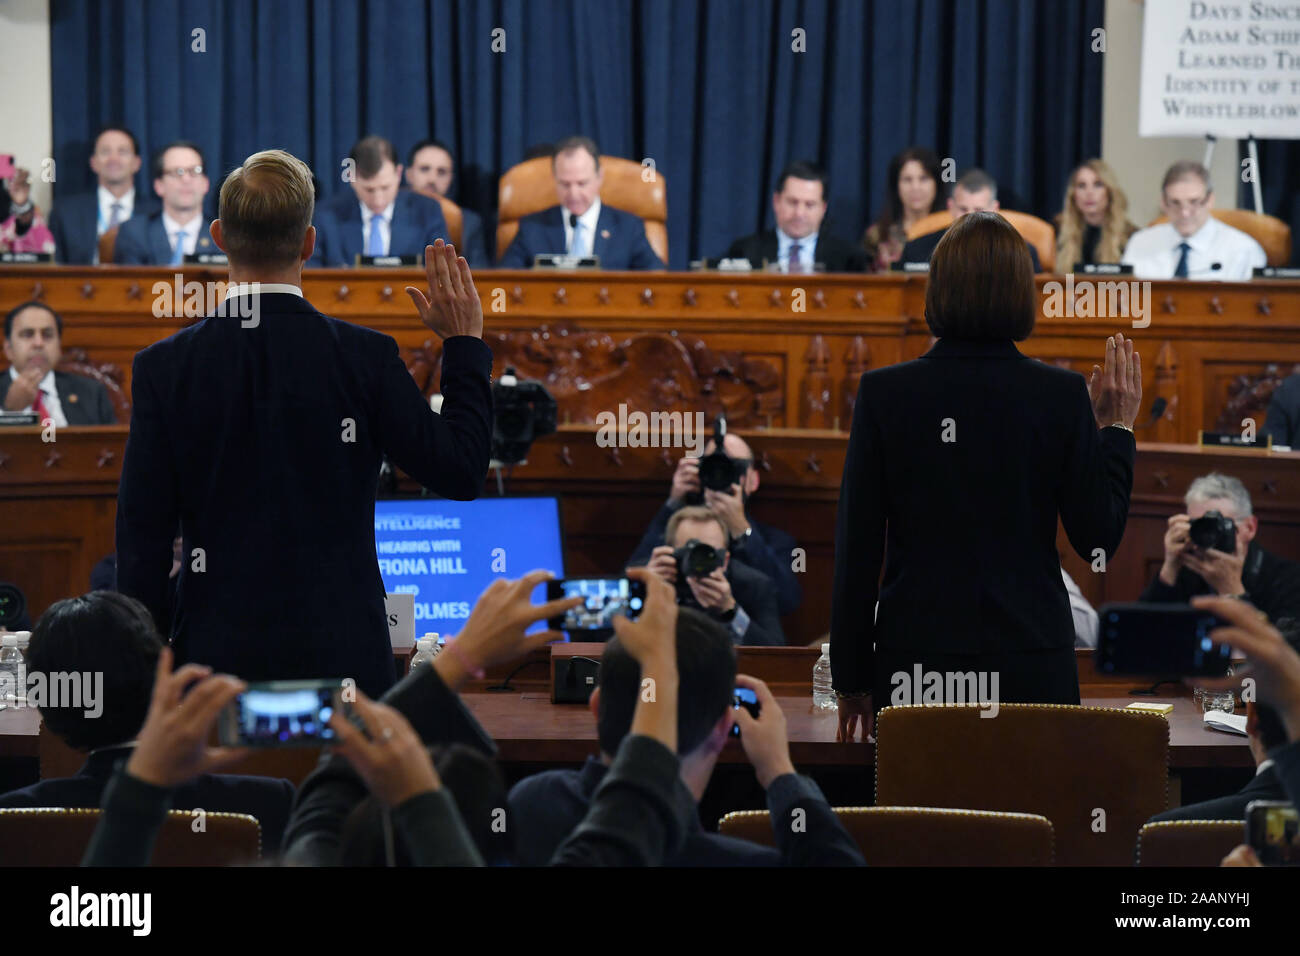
(1216, 266)
(573, 220)
(1157, 409)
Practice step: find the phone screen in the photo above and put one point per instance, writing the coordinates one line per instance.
(603, 600)
(1273, 832)
(744, 697)
(284, 714)
(1162, 639)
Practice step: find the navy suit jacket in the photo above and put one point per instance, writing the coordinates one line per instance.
(417, 222)
(74, 221)
(474, 240)
(1283, 421)
(1265, 785)
(267, 798)
(143, 241)
(620, 240)
(84, 401)
(264, 443)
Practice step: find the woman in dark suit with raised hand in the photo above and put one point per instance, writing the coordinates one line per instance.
(958, 465)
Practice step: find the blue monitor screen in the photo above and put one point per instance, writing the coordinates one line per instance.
(446, 553)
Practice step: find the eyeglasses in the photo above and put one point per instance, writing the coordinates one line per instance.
(1177, 205)
(180, 172)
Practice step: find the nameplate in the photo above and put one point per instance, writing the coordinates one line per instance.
(387, 262)
(1277, 272)
(1103, 269)
(554, 260)
(909, 267)
(401, 620)
(19, 418)
(26, 258)
(722, 265)
(1233, 440)
(206, 259)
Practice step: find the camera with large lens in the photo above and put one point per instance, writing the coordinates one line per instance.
(695, 559)
(12, 606)
(1214, 530)
(522, 413)
(718, 470)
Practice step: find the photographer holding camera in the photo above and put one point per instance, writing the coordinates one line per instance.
(724, 481)
(1210, 549)
(697, 563)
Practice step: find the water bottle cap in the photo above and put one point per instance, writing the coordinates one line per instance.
(426, 642)
(826, 649)
(9, 640)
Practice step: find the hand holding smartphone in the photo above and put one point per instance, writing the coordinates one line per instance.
(283, 714)
(1160, 639)
(603, 600)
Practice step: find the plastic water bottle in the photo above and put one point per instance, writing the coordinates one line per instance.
(426, 649)
(13, 672)
(823, 695)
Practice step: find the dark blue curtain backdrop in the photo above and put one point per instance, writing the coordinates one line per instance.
(1279, 177)
(709, 89)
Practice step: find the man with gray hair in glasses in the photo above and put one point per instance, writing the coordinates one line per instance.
(1192, 244)
(1211, 549)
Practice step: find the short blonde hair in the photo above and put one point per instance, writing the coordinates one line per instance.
(696, 513)
(265, 209)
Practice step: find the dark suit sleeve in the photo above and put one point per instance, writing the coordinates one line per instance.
(643, 257)
(435, 227)
(475, 240)
(859, 552)
(447, 452)
(914, 251)
(813, 837)
(436, 712)
(433, 831)
(1286, 762)
(59, 229)
(764, 623)
(132, 246)
(146, 502)
(639, 815)
(1098, 479)
(763, 555)
(104, 413)
(132, 814)
(1283, 420)
(518, 254)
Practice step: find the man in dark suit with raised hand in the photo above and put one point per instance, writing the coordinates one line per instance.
(581, 225)
(33, 346)
(261, 430)
(797, 244)
(375, 217)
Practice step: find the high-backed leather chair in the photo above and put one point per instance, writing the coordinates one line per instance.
(1188, 842)
(530, 187)
(107, 242)
(455, 222)
(1037, 232)
(1097, 773)
(49, 836)
(1269, 231)
(924, 836)
(108, 374)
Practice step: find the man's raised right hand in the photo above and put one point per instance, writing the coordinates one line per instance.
(452, 306)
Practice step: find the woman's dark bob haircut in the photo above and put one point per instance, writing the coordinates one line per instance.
(981, 282)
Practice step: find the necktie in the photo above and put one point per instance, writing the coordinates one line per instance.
(577, 247)
(116, 215)
(375, 244)
(793, 263)
(39, 408)
(178, 250)
(1181, 271)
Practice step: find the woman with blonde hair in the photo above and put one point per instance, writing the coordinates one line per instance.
(1093, 225)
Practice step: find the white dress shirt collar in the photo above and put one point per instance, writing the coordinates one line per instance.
(171, 227)
(807, 249)
(262, 288)
(106, 200)
(588, 220)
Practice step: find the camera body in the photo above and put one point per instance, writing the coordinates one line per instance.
(695, 559)
(12, 606)
(522, 413)
(718, 470)
(1213, 530)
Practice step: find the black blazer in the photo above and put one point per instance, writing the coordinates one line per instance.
(266, 798)
(837, 254)
(1265, 785)
(921, 249)
(74, 221)
(966, 529)
(84, 401)
(1283, 421)
(754, 592)
(417, 222)
(264, 444)
(143, 241)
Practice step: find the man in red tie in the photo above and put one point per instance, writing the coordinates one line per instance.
(33, 346)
